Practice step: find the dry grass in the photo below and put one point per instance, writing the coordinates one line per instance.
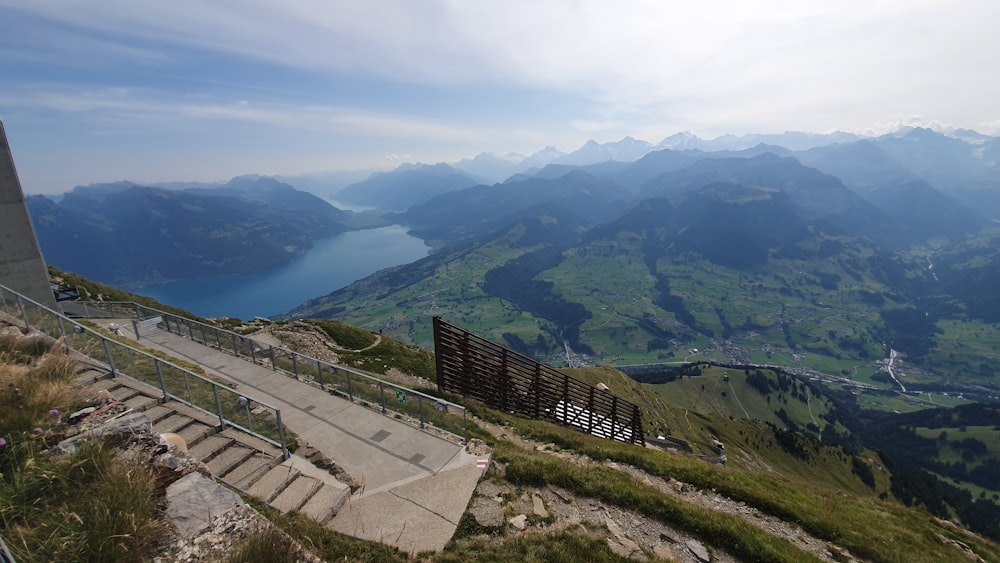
(89, 506)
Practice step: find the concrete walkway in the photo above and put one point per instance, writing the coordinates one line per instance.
(416, 486)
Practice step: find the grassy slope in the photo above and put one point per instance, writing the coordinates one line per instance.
(868, 527)
(726, 393)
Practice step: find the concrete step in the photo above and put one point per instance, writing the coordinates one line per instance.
(252, 442)
(325, 504)
(273, 482)
(105, 384)
(195, 414)
(158, 412)
(296, 494)
(172, 423)
(210, 447)
(141, 402)
(123, 393)
(91, 375)
(228, 459)
(195, 432)
(243, 475)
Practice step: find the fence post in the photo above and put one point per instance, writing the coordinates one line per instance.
(319, 370)
(270, 352)
(281, 434)
(590, 412)
(187, 385)
(218, 406)
(24, 316)
(159, 375)
(350, 388)
(295, 364)
(131, 358)
(420, 409)
(236, 351)
(381, 392)
(111, 359)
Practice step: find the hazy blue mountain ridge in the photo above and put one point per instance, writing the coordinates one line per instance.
(130, 235)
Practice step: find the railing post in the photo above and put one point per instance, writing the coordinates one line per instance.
(381, 392)
(319, 370)
(270, 352)
(236, 351)
(111, 359)
(218, 406)
(187, 384)
(350, 388)
(159, 375)
(281, 434)
(24, 316)
(295, 364)
(131, 358)
(420, 409)
(62, 329)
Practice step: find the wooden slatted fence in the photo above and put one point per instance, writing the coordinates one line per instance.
(503, 379)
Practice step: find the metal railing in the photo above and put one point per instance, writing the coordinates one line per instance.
(175, 382)
(420, 409)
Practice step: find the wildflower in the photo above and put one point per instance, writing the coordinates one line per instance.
(38, 431)
(3, 442)
(53, 412)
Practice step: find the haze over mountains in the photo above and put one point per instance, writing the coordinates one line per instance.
(130, 235)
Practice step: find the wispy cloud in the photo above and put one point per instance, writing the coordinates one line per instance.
(429, 77)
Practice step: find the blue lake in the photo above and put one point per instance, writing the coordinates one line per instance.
(331, 264)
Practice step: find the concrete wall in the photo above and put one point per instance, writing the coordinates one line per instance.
(22, 267)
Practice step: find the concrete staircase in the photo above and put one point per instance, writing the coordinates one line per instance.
(238, 459)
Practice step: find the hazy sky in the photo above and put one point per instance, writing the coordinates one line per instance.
(104, 90)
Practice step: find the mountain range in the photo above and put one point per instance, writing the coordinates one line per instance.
(131, 235)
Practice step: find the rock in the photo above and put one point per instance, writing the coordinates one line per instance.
(173, 441)
(478, 447)
(128, 425)
(538, 506)
(489, 489)
(698, 551)
(486, 512)
(81, 413)
(519, 522)
(194, 501)
(663, 552)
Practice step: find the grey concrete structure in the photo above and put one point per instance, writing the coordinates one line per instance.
(22, 267)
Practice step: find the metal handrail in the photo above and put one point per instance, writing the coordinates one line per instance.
(199, 331)
(69, 329)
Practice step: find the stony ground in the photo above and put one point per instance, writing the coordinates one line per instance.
(630, 534)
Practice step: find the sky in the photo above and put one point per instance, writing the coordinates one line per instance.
(192, 90)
